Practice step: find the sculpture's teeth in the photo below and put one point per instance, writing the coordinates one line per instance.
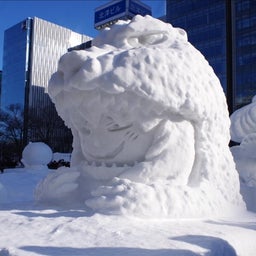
(109, 165)
(98, 164)
(135, 163)
(89, 163)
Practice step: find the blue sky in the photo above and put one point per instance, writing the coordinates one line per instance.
(75, 15)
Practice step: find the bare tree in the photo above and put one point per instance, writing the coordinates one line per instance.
(45, 125)
(11, 131)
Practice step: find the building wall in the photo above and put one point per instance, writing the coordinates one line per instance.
(204, 21)
(32, 49)
(0, 86)
(227, 43)
(245, 51)
(49, 43)
(16, 40)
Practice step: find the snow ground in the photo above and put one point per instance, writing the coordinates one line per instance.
(28, 230)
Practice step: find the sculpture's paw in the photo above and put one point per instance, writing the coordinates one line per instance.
(123, 196)
(57, 186)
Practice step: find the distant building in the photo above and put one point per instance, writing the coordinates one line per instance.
(0, 85)
(32, 49)
(110, 13)
(225, 32)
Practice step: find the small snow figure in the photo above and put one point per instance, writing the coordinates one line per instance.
(36, 155)
(150, 126)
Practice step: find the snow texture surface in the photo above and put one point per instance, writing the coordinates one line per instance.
(150, 127)
(243, 130)
(36, 155)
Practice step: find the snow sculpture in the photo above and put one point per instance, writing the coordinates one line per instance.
(150, 127)
(243, 131)
(36, 155)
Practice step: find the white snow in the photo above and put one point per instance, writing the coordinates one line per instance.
(57, 156)
(243, 130)
(36, 155)
(151, 157)
(243, 121)
(29, 230)
(150, 126)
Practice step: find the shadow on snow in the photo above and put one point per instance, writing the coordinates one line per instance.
(106, 251)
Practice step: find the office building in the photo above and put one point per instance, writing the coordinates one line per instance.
(108, 14)
(225, 32)
(0, 85)
(32, 49)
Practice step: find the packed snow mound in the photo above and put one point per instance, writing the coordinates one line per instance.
(243, 130)
(245, 159)
(243, 121)
(36, 155)
(150, 127)
(17, 185)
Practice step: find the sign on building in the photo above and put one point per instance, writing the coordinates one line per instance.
(108, 14)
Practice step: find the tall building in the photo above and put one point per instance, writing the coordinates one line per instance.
(0, 85)
(32, 49)
(225, 32)
(108, 14)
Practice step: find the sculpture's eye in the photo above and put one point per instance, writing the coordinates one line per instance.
(152, 39)
(116, 127)
(112, 126)
(148, 39)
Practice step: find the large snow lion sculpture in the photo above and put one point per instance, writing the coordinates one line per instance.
(150, 127)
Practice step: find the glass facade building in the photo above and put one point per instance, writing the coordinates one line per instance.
(225, 32)
(32, 49)
(0, 85)
(244, 22)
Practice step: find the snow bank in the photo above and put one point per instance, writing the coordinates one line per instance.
(150, 127)
(71, 233)
(17, 185)
(243, 130)
(61, 156)
(243, 121)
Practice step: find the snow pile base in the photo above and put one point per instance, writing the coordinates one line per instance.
(150, 127)
(243, 131)
(17, 185)
(26, 232)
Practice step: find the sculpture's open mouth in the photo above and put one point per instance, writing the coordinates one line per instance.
(110, 164)
(113, 141)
